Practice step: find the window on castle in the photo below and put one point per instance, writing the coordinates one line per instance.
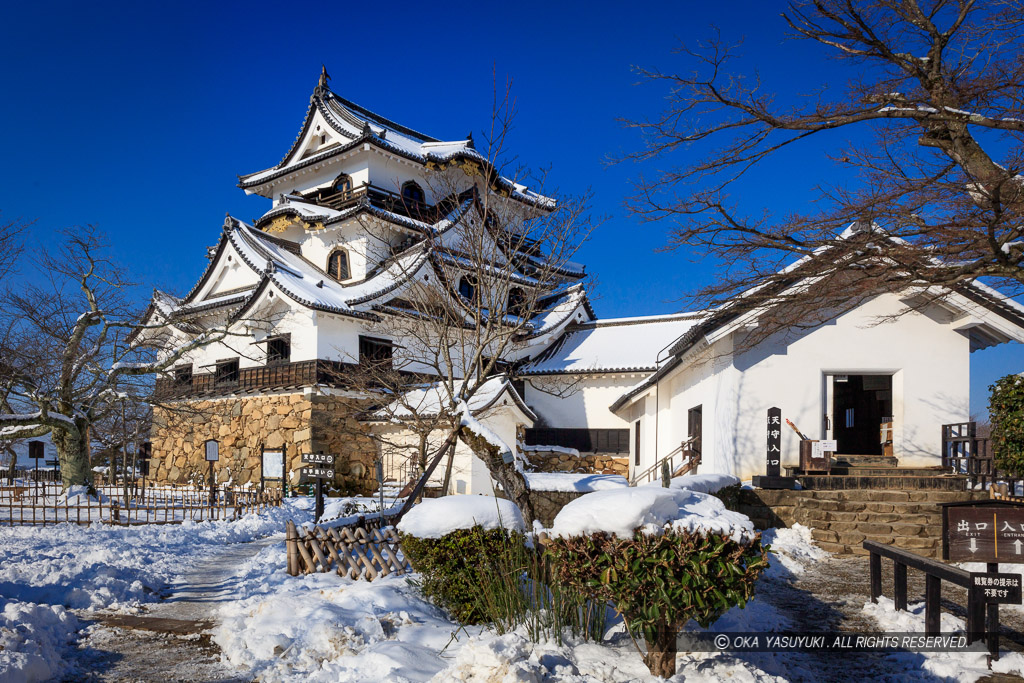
(343, 183)
(279, 350)
(183, 375)
(337, 264)
(467, 287)
(516, 301)
(375, 354)
(412, 193)
(227, 372)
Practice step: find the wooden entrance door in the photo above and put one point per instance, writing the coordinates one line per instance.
(860, 403)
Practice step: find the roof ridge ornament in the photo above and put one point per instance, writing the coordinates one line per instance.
(271, 267)
(229, 222)
(469, 141)
(367, 131)
(321, 86)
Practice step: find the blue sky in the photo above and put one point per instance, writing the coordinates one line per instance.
(138, 116)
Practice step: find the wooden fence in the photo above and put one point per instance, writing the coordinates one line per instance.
(965, 452)
(364, 549)
(42, 504)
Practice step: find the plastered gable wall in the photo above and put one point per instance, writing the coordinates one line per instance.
(583, 405)
(929, 360)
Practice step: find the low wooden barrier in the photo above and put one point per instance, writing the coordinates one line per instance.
(935, 573)
(40, 504)
(363, 550)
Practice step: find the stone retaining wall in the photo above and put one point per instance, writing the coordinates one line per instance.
(303, 423)
(587, 462)
(842, 520)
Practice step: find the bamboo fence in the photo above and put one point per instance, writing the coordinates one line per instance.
(38, 503)
(364, 549)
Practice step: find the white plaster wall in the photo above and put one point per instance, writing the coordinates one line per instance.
(929, 361)
(584, 405)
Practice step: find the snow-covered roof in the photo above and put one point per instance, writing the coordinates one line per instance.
(429, 400)
(357, 125)
(613, 345)
(1001, 318)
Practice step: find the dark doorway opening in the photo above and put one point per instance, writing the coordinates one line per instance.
(860, 404)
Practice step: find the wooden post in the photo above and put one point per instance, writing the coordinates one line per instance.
(899, 587)
(293, 552)
(876, 576)
(992, 620)
(932, 601)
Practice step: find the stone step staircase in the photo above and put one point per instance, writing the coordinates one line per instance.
(864, 498)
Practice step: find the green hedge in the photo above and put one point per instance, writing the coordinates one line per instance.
(1006, 410)
(658, 583)
(454, 567)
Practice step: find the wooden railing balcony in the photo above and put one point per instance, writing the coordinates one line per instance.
(382, 199)
(265, 377)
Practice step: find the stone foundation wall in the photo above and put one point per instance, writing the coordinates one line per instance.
(590, 463)
(297, 422)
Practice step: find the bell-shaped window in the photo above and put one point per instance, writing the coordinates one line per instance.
(516, 302)
(412, 193)
(343, 184)
(467, 287)
(337, 264)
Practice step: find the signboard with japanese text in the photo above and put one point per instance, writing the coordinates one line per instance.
(212, 450)
(1000, 589)
(983, 532)
(273, 464)
(318, 465)
(774, 452)
(318, 459)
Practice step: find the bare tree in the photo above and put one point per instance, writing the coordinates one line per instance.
(937, 192)
(494, 262)
(68, 361)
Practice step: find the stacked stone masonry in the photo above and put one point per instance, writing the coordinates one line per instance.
(841, 520)
(299, 422)
(586, 462)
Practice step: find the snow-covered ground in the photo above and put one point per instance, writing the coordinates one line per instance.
(46, 570)
(323, 627)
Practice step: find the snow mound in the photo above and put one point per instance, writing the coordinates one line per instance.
(704, 483)
(567, 481)
(621, 512)
(32, 640)
(433, 518)
(794, 548)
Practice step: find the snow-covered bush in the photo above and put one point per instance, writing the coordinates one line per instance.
(661, 557)
(454, 543)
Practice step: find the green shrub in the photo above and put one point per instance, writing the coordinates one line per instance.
(658, 583)
(493, 577)
(453, 567)
(1006, 410)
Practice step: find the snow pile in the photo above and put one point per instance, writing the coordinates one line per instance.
(566, 481)
(704, 483)
(792, 550)
(947, 666)
(323, 627)
(32, 640)
(651, 509)
(100, 566)
(435, 517)
(561, 450)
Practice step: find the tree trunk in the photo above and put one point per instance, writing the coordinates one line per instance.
(72, 450)
(13, 468)
(505, 473)
(661, 652)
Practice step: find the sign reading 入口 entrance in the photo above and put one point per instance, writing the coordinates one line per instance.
(774, 453)
(983, 532)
